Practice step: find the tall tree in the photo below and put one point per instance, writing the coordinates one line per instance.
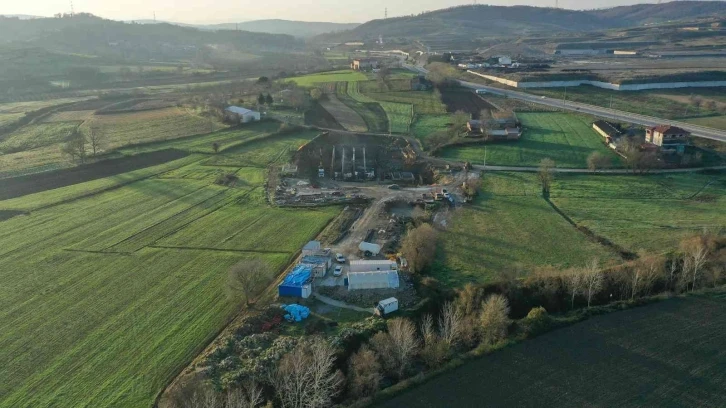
(364, 372)
(261, 99)
(97, 139)
(545, 175)
(248, 277)
(494, 318)
(450, 323)
(75, 146)
(404, 343)
(269, 100)
(593, 280)
(574, 284)
(419, 247)
(306, 377)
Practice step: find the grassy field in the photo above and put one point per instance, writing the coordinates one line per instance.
(344, 114)
(425, 125)
(718, 122)
(332, 76)
(651, 213)
(7, 118)
(108, 296)
(227, 138)
(425, 103)
(69, 116)
(372, 113)
(668, 354)
(37, 136)
(262, 153)
(510, 226)
(565, 138)
(651, 103)
(29, 106)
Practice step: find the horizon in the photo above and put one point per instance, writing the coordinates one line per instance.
(344, 12)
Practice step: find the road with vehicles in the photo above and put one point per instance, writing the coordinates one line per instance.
(612, 114)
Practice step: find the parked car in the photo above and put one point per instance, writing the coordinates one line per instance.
(340, 258)
(338, 270)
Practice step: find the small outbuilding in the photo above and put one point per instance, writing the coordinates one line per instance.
(312, 248)
(241, 115)
(297, 283)
(373, 280)
(320, 264)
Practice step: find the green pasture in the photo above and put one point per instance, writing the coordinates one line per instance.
(332, 76)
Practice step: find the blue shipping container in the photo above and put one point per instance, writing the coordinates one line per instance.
(290, 291)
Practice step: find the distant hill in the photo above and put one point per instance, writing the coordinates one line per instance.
(640, 14)
(20, 16)
(90, 35)
(295, 28)
(483, 21)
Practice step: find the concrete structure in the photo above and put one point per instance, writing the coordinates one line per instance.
(241, 115)
(373, 280)
(668, 138)
(373, 265)
(364, 64)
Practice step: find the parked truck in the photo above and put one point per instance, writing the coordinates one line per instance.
(386, 306)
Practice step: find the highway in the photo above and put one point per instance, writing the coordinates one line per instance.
(612, 114)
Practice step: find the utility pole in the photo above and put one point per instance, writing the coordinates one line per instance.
(386, 14)
(564, 99)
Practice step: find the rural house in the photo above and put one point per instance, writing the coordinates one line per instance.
(364, 64)
(241, 115)
(668, 138)
(495, 129)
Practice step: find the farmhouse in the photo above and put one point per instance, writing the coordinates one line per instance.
(496, 129)
(364, 64)
(241, 115)
(669, 138)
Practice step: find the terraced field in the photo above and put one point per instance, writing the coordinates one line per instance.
(425, 125)
(343, 114)
(329, 77)
(424, 103)
(565, 138)
(111, 291)
(37, 136)
(372, 113)
(399, 115)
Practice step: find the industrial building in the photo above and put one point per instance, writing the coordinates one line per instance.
(241, 115)
(373, 265)
(387, 279)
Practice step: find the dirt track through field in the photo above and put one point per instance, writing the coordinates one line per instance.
(347, 117)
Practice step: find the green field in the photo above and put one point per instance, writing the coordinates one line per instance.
(36, 136)
(7, 118)
(651, 213)
(425, 125)
(425, 103)
(565, 138)
(718, 122)
(399, 114)
(651, 103)
(510, 226)
(227, 139)
(332, 76)
(108, 296)
(261, 153)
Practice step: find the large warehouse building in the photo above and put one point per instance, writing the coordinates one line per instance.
(373, 280)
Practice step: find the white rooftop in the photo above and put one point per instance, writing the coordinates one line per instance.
(239, 110)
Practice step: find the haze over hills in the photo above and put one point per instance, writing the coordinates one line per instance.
(294, 28)
(484, 21)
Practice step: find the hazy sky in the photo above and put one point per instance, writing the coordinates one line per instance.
(209, 11)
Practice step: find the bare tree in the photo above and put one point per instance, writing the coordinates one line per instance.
(203, 397)
(75, 146)
(96, 138)
(697, 253)
(364, 372)
(383, 346)
(404, 342)
(545, 176)
(248, 277)
(419, 247)
(215, 147)
(596, 161)
(593, 280)
(450, 323)
(434, 350)
(305, 377)
(383, 76)
(575, 284)
(494, 318)
(250, 396)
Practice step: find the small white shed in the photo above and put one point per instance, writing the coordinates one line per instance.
(373, 280)
(242, 115)
(373, 265)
